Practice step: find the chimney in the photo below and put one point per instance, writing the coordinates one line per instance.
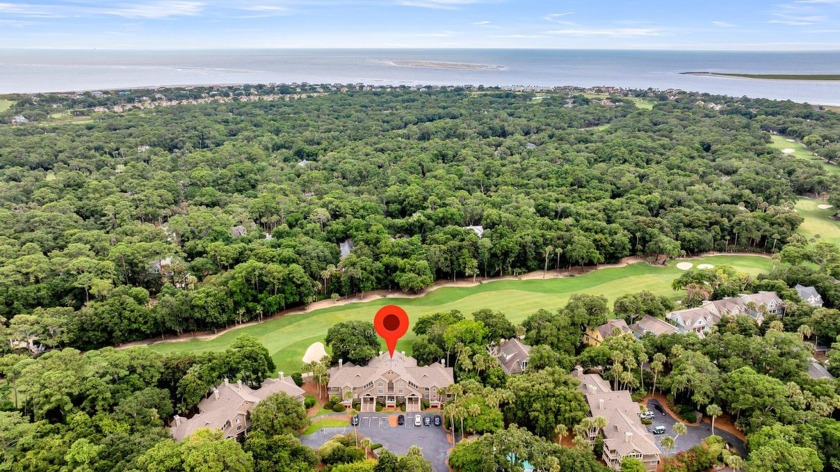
(177, 421)
(281, 375)
(402, 352)
(628, 437)
(216, 393)
(226, 380)
(591, 388)
(239, 383)
(579, 370)
(443, 362)
(601, 403)
(340, 362)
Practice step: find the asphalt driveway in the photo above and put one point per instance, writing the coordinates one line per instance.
(397, 439)
(693, 437)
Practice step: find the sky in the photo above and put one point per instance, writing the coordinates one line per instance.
(551, 24)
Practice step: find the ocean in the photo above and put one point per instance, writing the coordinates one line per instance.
(28, 71)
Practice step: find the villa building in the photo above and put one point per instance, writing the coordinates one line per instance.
(624, 435)
(512, 354)
(391, 382)
(810, 295)
(595, 336)
(228, 405)
(701, 319)
(652, 325)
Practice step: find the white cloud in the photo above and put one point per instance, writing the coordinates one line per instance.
(437, 4)
(553, 17)
(723, 24)
(154, 10)
(613, 32)
(29, 10)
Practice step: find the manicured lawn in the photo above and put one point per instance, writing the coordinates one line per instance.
(5, 105)
(801, 152)
(641, 103)
(288, 337)
(818, 221)
(318, 425)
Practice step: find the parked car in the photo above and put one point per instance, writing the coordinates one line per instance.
(658, 430)
(427, 421)
(355, 420)
(648, 415)
(659, 409)
(401, 420)
(437, 420)
(418, 420)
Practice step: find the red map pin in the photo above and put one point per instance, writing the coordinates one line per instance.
(391, 323)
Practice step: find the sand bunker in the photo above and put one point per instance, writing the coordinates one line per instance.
(705, 266)
(824, 207)
(788, 151)
(314, 353)
(685, 265)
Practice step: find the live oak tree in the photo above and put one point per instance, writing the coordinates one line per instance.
(278, 414)
(543, 399)
(353, 341)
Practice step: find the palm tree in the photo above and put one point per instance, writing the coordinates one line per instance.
(679, 430)
(473, 410)
(348, 395)
(450, 412)
(804, 332)
(599, 423)
(561, 431)
(668, 443)
(559, 252)
(460, 413)
(734, 461)
(656, 366)
(777, 325)
(414, 451)
(548, 251)
(319, 371)
(366, 444)
(582, 443)
(714, 411)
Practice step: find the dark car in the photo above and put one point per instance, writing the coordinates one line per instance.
(659, 409)
(427, 421)
(401, 420)
(355, 420)
(437, 420)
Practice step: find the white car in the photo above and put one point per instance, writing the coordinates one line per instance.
(648, 415)
(418, 420)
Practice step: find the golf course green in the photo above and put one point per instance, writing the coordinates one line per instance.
(818, 221)
(288, 337)
(801, 152)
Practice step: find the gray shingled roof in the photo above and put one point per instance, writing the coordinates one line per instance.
(435, 375)
(511, 354)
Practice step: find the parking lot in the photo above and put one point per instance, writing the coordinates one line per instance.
(378, 428)
(693, 437)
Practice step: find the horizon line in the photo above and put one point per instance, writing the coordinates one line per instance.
(399, 48)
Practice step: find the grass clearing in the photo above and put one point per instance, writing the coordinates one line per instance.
(318, 425)
(6, 104)
(641, 103)
(288, 337)
(818, 222)
(801, 152)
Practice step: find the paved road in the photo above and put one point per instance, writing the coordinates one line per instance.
(397, 439)
(694, 435)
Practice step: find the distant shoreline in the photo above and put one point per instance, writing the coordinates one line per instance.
(806, 77)
(446, 65)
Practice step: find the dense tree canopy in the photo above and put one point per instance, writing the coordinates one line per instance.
(200, 216)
